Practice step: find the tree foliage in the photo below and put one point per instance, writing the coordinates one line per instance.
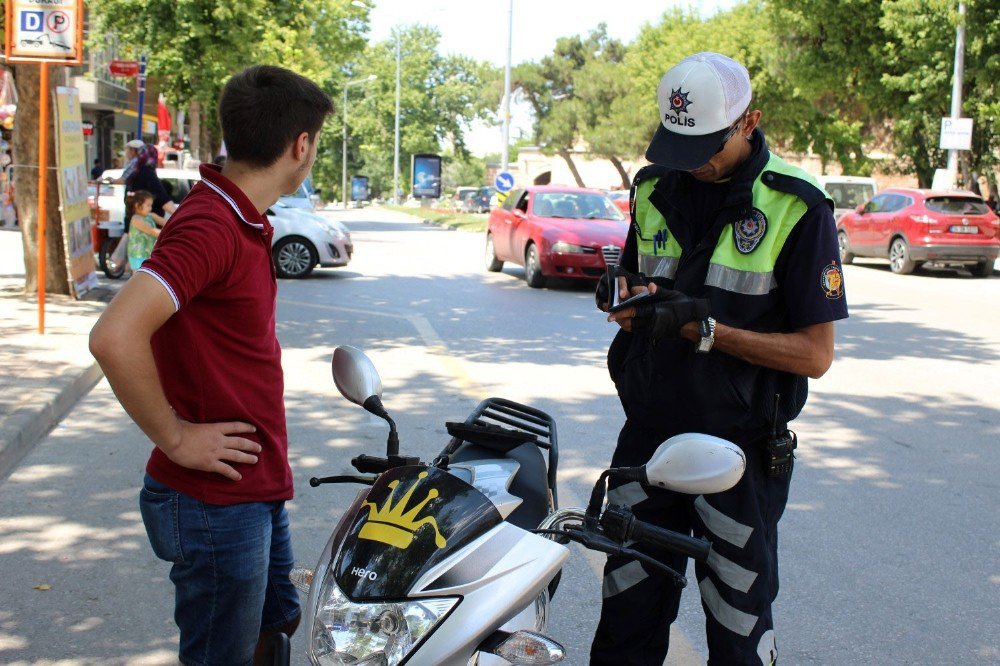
(440, 95)
(194, 46)
(840, 78)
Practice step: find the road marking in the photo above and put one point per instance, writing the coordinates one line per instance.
(682, 652)
(432, 341)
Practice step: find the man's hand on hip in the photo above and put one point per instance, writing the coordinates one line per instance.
(211, 446)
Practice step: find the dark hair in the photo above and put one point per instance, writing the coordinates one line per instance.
(134, 199)
(264, 108)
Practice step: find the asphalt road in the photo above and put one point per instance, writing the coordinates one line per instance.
(889, 545)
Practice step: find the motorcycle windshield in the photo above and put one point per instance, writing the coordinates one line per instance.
(413, 518)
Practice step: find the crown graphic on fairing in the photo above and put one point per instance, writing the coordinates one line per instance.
(391, 526)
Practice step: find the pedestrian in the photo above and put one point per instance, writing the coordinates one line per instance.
(145, 228)
(740, 249)
(140, 174)
(96, 170)
(189, 347)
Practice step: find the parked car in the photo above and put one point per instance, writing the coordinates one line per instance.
(461, 200)
(483, 200)
(911, 226)
(303, 239)
(847, 192)
(620, 198)
(556, 232)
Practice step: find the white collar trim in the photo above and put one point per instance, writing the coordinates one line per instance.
(232, 203)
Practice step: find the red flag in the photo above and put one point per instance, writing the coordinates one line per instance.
(162, 114)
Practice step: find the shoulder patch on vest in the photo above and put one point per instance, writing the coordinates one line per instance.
(749, 230)
(803, 189)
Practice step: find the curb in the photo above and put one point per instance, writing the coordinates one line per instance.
(450, 227)
(23, 429)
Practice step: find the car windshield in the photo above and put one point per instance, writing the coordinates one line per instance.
(956, 205)
(850, 195)
(579, 205)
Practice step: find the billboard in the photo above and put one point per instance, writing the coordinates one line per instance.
(71, 168)
(426, 170)
(359, 188)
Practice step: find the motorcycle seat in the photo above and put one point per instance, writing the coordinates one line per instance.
(530, 483)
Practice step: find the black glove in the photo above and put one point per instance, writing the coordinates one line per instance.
(664, 318)
(603, 294)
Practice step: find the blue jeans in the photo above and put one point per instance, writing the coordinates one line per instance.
(230, 571)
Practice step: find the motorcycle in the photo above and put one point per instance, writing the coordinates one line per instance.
(454, 562)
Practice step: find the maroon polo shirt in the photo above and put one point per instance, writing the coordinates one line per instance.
(217, 356)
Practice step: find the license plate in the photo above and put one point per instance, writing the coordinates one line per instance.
(963, 229)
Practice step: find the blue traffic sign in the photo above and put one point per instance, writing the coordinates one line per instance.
(504, 182)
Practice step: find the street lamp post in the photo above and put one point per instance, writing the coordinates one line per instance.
(395, 157)
(347, 85)
(956, 88)
(506, 86)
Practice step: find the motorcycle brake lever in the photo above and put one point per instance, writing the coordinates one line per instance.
(342, 478)
(596, 541)
(679, 580)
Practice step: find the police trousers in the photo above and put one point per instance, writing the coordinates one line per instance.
(738, 583)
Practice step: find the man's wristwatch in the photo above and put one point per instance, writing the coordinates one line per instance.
(706, 328)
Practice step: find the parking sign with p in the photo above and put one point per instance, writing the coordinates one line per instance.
(44, 32)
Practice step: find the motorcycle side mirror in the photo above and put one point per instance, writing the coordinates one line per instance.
(355, 375)
(358, 381)
(696, 464)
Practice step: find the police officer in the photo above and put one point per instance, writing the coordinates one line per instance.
(738, 250)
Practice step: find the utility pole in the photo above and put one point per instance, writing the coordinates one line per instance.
(505, 159)
(956, 88)
(395, 159)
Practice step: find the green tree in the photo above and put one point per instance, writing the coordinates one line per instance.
(880, 73)
(461, 170)
(440, 95)
(599, 83)
(194, 46)
(564, 111)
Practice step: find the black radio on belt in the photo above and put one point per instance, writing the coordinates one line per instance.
(780, 447)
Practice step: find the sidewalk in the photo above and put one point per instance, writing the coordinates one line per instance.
(41, 376)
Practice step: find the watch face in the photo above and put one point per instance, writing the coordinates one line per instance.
(704, 328)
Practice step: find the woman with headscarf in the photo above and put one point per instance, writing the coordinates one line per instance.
(140, 174)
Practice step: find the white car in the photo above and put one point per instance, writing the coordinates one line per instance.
(847, 192)
(302, 239)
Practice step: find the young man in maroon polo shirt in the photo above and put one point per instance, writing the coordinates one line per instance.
(189, 348)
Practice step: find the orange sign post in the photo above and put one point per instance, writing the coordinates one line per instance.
(43, 33)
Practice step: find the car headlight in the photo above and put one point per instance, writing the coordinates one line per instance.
(334, 231)
(562, 247)
(370, 634)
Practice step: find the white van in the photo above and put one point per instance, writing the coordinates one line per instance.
(847, 192)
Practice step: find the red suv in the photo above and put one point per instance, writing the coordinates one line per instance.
(911, 226)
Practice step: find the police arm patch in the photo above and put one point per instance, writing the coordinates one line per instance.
(749, 231)
(831, 279)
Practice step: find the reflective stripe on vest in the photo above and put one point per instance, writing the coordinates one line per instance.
(729, 269)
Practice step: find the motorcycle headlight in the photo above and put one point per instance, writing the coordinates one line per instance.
(562, 247)
(370, 634)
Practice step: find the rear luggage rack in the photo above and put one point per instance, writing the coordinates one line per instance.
(513, 417)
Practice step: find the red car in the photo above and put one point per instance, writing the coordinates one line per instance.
(555, 232)
(911, 226)
(620, 198)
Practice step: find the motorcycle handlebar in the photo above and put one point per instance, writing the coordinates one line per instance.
(675, 541)
(369, 464)
(619, 522)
